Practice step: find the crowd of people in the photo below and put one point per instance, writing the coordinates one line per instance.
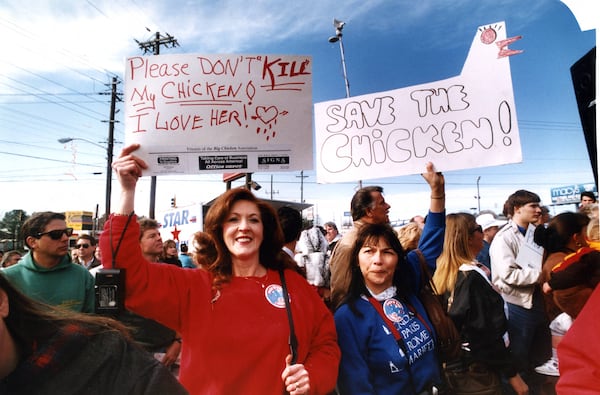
(262, 304)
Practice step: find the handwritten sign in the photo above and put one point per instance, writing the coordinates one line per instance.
(220, 113)
(462, 122)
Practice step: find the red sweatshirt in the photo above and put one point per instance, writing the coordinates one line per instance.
(578, 352)
(235, 342)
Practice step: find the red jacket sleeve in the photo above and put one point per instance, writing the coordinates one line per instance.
(156, 291)
(578, 352)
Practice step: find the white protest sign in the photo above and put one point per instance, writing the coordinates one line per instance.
(462, 122)
(220, 113)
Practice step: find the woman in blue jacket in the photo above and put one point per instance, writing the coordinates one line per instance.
(386, 338)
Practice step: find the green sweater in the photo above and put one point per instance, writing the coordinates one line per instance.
(66, 285)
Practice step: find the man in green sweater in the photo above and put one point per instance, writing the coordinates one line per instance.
(46, 272)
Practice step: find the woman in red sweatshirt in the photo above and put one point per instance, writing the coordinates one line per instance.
(232, 316)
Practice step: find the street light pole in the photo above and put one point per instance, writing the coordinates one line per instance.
(478, 196)
(339, 26)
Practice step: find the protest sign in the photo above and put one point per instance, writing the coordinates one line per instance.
(220, 113)
(462, 122)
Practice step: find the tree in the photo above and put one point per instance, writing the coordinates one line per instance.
(10, 227)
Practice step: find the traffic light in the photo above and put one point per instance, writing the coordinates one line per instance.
(173, 202)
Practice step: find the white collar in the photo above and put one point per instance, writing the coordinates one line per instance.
(385, 295)
(288, 251)
(465, 267)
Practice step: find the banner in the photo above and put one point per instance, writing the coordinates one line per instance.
(462, 122)
(220, 113)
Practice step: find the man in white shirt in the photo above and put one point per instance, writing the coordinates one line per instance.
(528, 330)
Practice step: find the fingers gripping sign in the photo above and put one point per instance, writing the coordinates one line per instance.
(129, 166)
(436, 183)
(433, 177)
(295, 378)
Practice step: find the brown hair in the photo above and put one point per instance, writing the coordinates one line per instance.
(363, 200)
(270, 248)
(37, 223)
(371, 234)
(519, 199)
(205, 251)
(147, 224)
(8, 255)
(32, 323)
(167, 244)
(87, 237)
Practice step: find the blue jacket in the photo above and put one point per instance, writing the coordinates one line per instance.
(372, 362)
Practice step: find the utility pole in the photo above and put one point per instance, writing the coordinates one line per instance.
(110, 143)
(302, 177)
(153, 46)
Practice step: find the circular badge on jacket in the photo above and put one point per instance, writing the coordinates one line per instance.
(393, 310)
(274, 295)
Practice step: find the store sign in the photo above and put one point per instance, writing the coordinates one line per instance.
(570, 193)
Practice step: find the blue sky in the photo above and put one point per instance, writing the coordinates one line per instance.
(62, 53)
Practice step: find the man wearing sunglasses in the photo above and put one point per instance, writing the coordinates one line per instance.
(86, 247)
(46, 272)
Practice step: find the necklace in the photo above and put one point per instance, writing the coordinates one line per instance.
(259, 280)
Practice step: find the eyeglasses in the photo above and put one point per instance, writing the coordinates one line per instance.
(56, 234)
(82, 245)
(478, 228)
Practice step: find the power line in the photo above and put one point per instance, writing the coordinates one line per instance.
(48, 159)
(73, 91)
(63, 103)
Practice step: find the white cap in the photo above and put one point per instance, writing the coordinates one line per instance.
(488, 220)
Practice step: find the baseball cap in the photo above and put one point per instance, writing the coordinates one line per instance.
(488, 220)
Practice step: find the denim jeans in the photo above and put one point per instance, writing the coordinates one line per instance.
(530, 340)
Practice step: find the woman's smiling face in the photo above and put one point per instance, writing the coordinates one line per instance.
(243, 230)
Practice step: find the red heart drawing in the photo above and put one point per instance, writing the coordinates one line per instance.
(266, 114)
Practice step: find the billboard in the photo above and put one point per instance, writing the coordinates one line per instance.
(570, 193)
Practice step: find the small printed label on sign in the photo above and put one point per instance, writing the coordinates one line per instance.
(168, 160)
(223, 162)
(273, 160)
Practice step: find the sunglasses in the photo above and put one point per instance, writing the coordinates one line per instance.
(478, 228)
(56, 234)
(82, 245)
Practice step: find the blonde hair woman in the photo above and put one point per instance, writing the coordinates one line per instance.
(409, 236)
(475, 306)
